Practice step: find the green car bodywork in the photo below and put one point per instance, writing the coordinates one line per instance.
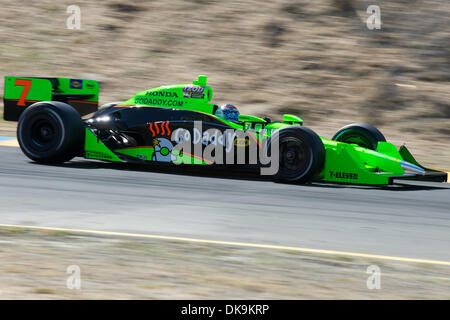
(21, 92)
(344, 163)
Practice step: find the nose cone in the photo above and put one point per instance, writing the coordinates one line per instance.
(410, 168)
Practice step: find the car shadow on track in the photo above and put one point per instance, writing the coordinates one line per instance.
(237, 174)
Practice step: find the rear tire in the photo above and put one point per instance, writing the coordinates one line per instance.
(301, 154)
(50, 132)
(362, 134)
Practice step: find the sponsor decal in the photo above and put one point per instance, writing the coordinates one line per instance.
(160, 127)
(98, 155)
(163, 150)
(76, 84)
(344, 175)
(242, 142)
(229, 146)
(194, 92)
(165, 94)
(158, 102)
(213, 136)
(197, 95)
(142, 157)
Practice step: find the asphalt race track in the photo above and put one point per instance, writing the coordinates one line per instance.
(411, 220)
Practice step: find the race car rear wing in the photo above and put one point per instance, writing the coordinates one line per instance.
(21, 92)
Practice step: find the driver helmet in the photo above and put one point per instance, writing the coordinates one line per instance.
(228, 112)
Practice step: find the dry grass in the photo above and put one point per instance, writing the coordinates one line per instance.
(313, 58)
(34, 266)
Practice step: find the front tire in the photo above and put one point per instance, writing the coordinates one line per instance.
(50, 132)
(362, 134)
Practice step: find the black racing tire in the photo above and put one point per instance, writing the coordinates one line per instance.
(51, 132)
(362, 134)
(301, 154)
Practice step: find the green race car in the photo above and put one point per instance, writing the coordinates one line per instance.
(178, 124)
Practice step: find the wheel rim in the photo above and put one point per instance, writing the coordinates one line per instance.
(294, 156)
(44, 133)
